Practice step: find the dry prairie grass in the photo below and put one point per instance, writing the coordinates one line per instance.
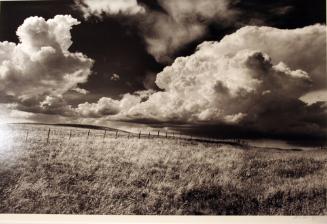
(156, 176)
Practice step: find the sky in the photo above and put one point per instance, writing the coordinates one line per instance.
(227, 68)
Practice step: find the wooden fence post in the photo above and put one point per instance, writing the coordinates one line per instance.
(88, 133)
(149, 135)
(139, 135)
(48, 136)
(158, 133)
(166, 135)
(70, 134)
(26, 135)
(104, 135)
(116, 134)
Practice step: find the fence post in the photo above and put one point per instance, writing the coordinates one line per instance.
(88, 133)
(104, 135)
(158, 133)
(116, 133)
(70, 134)
(26, 135)
(166, 135)
(149, 135)
(139, 135)
(48, 136)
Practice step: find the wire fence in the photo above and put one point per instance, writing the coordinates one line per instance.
(51, 134)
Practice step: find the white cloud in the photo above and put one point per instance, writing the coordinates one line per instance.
(104, 7)
(106, 106)
(255, 75)
(41, 65)
(302, 48)
(219, 88)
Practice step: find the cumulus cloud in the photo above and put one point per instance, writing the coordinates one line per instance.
(105, 7)
(236, 78)
(37, 71)
(218, 88)
(253, 77)
(106, 106)
(302, 48)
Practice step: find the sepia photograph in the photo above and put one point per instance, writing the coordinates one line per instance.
(163, 107)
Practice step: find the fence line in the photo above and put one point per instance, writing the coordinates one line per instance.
(54, 134)
(124, 134)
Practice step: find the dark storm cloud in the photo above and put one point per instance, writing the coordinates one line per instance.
(299, 123)
(171, 27)
(284, 13)
(180, 22)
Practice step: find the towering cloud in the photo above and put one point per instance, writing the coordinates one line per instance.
(253, 77)
(36, 72)
(219, 88)
(237, 77)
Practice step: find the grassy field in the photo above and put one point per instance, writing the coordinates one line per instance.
(97, 175)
